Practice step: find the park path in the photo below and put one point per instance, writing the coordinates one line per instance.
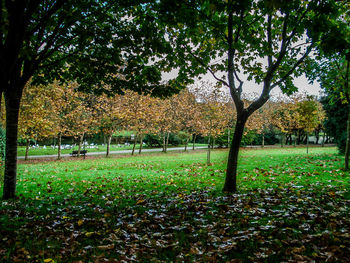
(111, 152)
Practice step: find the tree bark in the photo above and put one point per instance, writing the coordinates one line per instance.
(163, 135)
(167, 141)
(194, 141)
(186, 143)
(27, 149)
(81, 138)
(108, 144)
(59, 139)
(347, 147)
(141, 144)
(263, 140)
(282, 137)
(12, 102)
(133, 147)
(323, 138)
(208, 152)
(231, 172)
(307, 142)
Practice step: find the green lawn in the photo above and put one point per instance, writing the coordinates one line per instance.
(169, 207)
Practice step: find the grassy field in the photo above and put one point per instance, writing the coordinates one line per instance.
(50, 151)
(291, 206)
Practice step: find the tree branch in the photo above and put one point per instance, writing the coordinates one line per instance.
(301, 60)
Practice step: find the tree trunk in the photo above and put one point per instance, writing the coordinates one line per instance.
(307, 142)
(141, 144)
(228, 137)
(208, 152)
(231, 172)
(167, 141)
(186, 143)
(282, 137)
(108, 144)
(81, 138)
(194, 141)
(164, 150)
(59, 146)
(347, 147)
(27, 149)
(263, 140)
(133, 147)
(323, 138)
(12, 102)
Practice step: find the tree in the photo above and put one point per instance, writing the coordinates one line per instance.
(87, 41)
(111, 115)
(35, 111)
(266, 40)
(333, 66)
(310, 114)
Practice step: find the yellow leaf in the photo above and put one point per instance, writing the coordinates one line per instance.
(140, 201)
(49, 260)
(80, 222)
(89, 234)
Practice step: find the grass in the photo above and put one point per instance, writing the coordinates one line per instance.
(50, 151)
(169, 207)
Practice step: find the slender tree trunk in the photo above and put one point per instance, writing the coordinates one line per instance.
(59, 142)
(323, 138)
(141, 143)
(167, 142)
(228, 137)
(81, 138)
(186, 143)
(194, 141)
(208, 152)
(163, 135)
(133, 147)
(12, 102)
(307, 142)
(108, 144)
(231, 172)
(282, 137)
(27, 149)
(263, 140)
(347, 147)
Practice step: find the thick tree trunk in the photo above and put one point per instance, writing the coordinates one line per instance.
(231, 172)
(59, 139)
(108, 144)
(194, 141)
(347, 147)
(12, 102)
(141, 144)
(27, 149)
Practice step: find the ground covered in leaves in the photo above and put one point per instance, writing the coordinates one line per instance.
(291, 207)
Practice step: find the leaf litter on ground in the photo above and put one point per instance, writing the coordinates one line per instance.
(167, 214)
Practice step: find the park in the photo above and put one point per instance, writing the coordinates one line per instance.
(174, 131)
